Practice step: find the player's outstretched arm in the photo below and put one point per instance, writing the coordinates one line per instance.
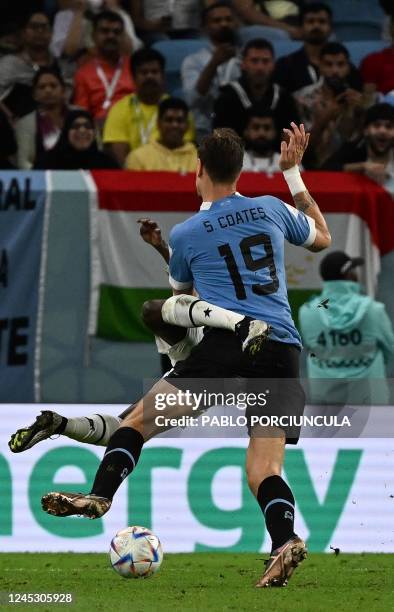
(291, 154)
(151, 234)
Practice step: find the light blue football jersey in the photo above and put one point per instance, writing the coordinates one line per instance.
(232, 251)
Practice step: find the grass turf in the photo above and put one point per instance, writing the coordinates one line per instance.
(203, 581)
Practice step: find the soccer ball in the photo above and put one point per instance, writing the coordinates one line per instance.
(136, 552)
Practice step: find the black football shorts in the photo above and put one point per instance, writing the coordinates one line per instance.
(275, 368)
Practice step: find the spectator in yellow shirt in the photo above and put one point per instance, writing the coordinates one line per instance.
(132, 121)
(170, 152)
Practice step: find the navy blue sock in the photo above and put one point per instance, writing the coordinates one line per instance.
(120, 459)
(277, 503)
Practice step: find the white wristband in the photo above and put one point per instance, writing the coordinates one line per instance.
(294, 181)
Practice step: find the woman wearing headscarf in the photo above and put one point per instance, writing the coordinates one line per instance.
(77, 147)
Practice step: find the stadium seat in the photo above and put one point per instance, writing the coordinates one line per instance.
(357, 30)
(248, 33)
(357, 19)
(389, 98)
(285, 47)
(360, 11)
(178, 93)
(175, 52)
(359, 49)
(50, 7)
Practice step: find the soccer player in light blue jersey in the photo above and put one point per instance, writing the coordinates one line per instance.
(231, 252)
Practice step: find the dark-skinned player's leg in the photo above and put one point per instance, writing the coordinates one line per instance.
(153, 319)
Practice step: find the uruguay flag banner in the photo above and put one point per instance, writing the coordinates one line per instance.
(24, 214)
(125, 271)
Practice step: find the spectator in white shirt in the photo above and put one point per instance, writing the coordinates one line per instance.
(72, 32)
(162, 19)
(216, 64)
(17, 70)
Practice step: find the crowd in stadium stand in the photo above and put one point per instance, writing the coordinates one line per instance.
(136, 84)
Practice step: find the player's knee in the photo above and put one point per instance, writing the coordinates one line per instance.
(257, 473)
(151, 313)
(176, 309)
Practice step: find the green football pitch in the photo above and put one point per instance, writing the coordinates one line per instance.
(202, 581)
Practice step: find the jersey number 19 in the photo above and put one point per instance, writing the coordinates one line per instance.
(267, 261)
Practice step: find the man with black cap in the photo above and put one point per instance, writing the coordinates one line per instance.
(348, 335)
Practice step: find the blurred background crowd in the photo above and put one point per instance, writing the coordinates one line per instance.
(136, 84)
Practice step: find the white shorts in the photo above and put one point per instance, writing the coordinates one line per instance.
(181, 350)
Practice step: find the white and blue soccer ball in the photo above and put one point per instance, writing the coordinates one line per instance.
(136, 552)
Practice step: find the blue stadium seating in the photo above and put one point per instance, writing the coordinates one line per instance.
(355, 30)
(178, 93)
(285, 47)
(389, 98)
(357, 19)
(248, 33)
(175, 52)
(358, 49)
(362, 11)
(50, 7)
